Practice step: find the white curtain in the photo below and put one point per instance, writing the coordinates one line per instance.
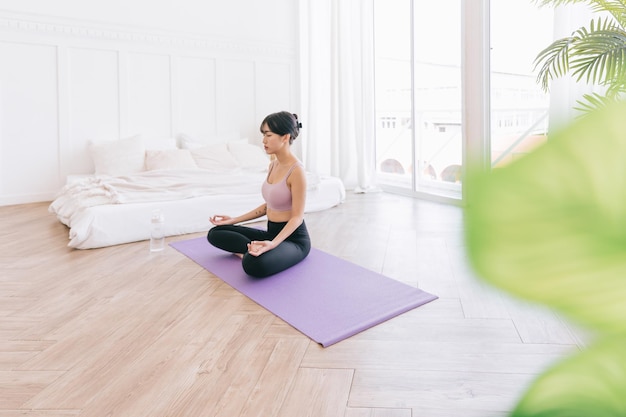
(565, 91)
(337, 90)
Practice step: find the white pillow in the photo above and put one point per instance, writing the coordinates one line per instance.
(118, 157)
(188, 142)
(185, 141)
(160, 144)
(169, 159)
(215, 158)
(249, 156)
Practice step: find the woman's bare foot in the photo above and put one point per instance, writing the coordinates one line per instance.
(240, 255)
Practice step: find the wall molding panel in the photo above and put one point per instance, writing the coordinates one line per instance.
(69, 82)
(41, 26)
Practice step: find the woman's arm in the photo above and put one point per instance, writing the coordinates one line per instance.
(220, 219)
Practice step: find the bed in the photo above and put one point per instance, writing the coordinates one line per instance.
(188, 182)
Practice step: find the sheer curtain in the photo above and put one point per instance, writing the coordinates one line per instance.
(337, 90)
(565, 91)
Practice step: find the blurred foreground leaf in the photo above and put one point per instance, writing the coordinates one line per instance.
(551, 227)
(589, 384)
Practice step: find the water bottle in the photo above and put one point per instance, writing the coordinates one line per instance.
(157, 236)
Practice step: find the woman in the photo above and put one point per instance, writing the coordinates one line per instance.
(286, 241)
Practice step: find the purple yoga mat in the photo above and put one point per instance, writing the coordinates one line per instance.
(326, 298)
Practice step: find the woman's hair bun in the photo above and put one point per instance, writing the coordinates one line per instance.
(298, 124)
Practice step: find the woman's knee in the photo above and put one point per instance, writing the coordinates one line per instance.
(212, 234)
(270, 263)
(256, 267)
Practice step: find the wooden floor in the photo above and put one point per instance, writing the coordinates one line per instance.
(121, 332)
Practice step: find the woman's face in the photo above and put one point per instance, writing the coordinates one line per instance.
(273, 142)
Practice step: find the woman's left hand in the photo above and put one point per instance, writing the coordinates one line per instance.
(258, 247)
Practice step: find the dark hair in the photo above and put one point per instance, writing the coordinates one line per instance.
(283, 123)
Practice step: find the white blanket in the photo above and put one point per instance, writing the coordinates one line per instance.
(153, 186)
(159, 185)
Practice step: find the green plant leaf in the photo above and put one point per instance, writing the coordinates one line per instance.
(551, 227)
(596, 53)
(591, 383)
(592, 102)
(553, 61)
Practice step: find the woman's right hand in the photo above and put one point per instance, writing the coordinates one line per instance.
(220, 220)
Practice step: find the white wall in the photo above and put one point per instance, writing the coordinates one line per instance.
(73, 71)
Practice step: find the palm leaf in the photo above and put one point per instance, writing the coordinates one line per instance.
(611, 6)
(554, 61)
(616, 8)
(599, 55)
(616, 88)
(593, 102)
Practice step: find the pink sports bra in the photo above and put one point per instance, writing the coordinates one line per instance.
(277, 196)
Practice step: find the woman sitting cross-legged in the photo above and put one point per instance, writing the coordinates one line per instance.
(286, 241)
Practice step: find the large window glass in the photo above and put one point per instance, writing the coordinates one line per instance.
(394, 89)
(519, 108)
(437, 96)
(418, 95)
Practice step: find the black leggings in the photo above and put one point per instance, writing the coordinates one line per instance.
(235, 239)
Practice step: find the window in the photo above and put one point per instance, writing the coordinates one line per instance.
(519, 109)
(418, 78)
(419, 91)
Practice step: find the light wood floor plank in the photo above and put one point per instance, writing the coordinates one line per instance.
(276, 379)
(318, 393)
(39, 413)
(386, 355)
(413, 326)
(424, 411)
(537, 324)
(378, 412)
(471, 391)
(17, 387)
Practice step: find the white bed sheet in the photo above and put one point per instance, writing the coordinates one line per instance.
(113, 224)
